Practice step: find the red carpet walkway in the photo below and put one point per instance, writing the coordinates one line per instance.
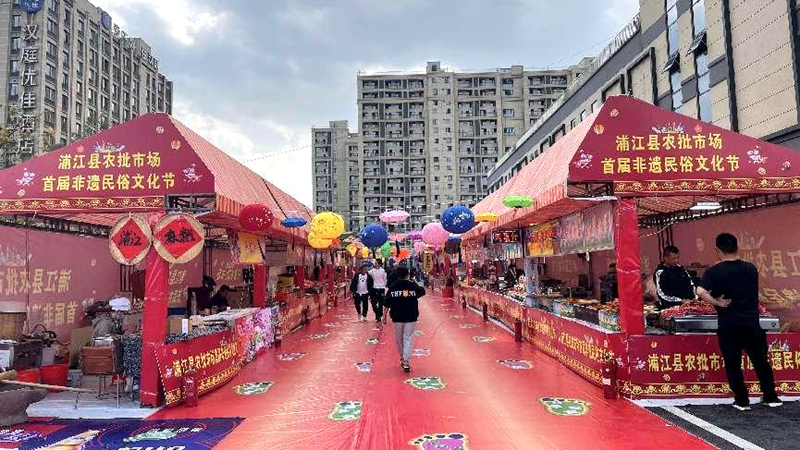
(476, 403)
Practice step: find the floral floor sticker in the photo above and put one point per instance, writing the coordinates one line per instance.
(346, 411)
(421, 352)
(418, 333)
(482, 338)
(291, 356)
(443, 441)
(377, 329)
(332, 325)
(372, 341)
(466, 326)
(427, 383)
(364, 366)
(518, 364)
(456, 316)
(565, 406)
(254, 388)
(317, 336)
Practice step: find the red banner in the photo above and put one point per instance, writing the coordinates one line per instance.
(214, 358)
(42, 273)
(647, 150)
(292, 312)
(691, 365)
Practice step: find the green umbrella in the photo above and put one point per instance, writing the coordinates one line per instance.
(517, 201)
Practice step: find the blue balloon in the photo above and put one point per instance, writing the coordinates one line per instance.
(458, 219)
(373, 235)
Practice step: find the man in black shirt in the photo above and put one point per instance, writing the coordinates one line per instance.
(732, 287)
(220, 300)
(673, 283)
(402, 303)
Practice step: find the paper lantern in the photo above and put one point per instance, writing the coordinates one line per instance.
(255, 218)
(293, 222)
(517, 201)
(458, 219)
(419, 246)
(352, 249)
(327, 225)
(486, 217)
(373, 235)
(365, 252)
(434, 234)
(317, 242)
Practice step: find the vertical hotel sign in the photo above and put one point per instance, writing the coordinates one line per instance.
(24, 119)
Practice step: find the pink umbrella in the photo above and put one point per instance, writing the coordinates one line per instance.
(434, 234)
(397, 236)
(419, 246)
(394, 216)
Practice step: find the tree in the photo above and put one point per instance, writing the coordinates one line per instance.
(15, 135)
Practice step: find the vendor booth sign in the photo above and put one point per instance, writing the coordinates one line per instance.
(129, 240)
(179, 238)
(427, 262)
(570, 235)
(541, 240)
(598, 228)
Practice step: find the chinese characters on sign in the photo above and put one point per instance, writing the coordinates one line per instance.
(541, 240)
(130, 240)
(179, 238)
(505, 236)
(99, 161)
(635, 158)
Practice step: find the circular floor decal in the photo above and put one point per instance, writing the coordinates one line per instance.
(443, 441)
(254, 388)
(466, 326)
(456, 316)
(364, 366)
(418, 332)
(317, 336)
(291, 356)
(518, 364)
(332, 325)
(421, 352)
(372, 341)
(482, 338)
(565, 406)
(346, 411)
(427, 383)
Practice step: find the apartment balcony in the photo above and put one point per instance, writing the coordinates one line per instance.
(558, 80)
(466, 84)
(466, 113)
(466, 151)
(488, 113)
(370, 116)
(417, 190)
(416, 152)
(369, 86)
(322, 155)
(321, 142)
(466, 169)
(393, 116)
(417, 171)
(416, 85)
(487, 93)
(464, 93)
(393, 85)
(370, 95)
(466, 133)
(488, 132)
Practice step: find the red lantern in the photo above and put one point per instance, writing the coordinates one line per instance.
(255, 218)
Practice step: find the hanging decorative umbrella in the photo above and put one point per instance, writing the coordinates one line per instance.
(352, 249)
(414, 235)
(317, 242)
(327, 225)
(517, 201)
(394, 216)
(398, 236)
(458, 219)
(364, 253)
(486, 217)
(293, 222)
(256, 218)
(373, 235)
(419, 246)
(434, 234)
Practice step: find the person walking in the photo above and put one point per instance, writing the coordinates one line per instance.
(378, 292)
(402, 304)
(360, 286)
(731, 286)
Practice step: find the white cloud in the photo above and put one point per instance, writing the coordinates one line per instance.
(306, 19)
(183, 19)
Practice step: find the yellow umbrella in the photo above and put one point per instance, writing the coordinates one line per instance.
(327, 225)
(317, 242)
(486, 217)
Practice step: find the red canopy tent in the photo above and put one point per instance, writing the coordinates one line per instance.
(149, 165)
(648, 161)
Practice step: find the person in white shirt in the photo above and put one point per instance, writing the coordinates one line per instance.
(360, 287)
(378, 275)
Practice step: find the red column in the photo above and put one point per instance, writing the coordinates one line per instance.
(626, 241)
(154, 325)
(260, 285)
(299, 276)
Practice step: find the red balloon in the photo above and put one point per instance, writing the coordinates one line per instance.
(256, 218)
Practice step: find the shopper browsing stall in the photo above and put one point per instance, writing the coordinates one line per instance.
(673, 283)
(732, 287)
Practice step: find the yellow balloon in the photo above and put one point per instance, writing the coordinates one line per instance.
(317, 242)
(365, 252)
(327, 225)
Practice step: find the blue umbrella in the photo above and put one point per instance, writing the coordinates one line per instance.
(293, 222)
(458, 219)
(373, 235)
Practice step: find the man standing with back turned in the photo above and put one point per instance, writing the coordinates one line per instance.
(402, 301)
(732, 287)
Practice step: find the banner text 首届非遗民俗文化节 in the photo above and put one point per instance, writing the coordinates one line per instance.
(146, 178)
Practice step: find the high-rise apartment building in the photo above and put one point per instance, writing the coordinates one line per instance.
(336, 164)
(427, 140)
(69, 72)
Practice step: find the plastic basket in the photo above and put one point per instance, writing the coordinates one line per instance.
(12, 324)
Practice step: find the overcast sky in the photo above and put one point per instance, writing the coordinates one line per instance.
(254, 76)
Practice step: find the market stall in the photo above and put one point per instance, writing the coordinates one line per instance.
(170, 196)
(606, 198)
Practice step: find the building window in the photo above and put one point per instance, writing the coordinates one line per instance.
(677, 93)
(594, 106)
(699, 16)
(508, 113)
(78, 110)
(14, 66)
(672, 26)
(15, 41)
(583, 115)
(16, 21)
(52, 27)
(508, 92)
(49, 117)
(50, 72)
(49, 95)
(703, 87)
(13, 90)
(81, 26)
(509, 131)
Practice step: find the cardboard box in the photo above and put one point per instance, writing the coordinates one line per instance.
(179, 325)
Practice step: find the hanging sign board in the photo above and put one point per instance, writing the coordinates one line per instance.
(598, 228)
(541, 240)
(505, 236)
(129, 240)
(570, 234)
(427, 262)
(179, 238)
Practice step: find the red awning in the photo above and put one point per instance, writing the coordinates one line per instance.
(635, 149)
(133, 167)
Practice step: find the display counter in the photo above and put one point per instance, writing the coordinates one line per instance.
(647, 366)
